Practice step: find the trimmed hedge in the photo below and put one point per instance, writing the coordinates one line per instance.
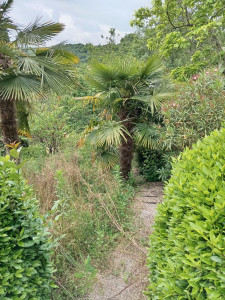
(25, 267)
(187, 248)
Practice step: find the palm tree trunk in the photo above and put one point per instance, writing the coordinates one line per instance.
(126, 150)
(8, 122)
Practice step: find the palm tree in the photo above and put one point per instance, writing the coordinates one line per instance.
(131, 91)
(28, 69)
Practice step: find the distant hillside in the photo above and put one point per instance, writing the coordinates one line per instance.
(79, 50)
(132, 44)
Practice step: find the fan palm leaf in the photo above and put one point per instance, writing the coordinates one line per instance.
(15, 87)
(9, 50)
(37, 34)
(108, 157)
(146, 136)
(107, 134)
(152, 67)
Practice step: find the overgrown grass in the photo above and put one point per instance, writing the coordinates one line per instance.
(87, 209)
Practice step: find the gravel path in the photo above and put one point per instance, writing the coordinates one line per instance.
(126, 275)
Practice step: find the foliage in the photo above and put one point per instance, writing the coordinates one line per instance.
(88, 211)
(29, 70)
(79, 111)
(154, 164)
(25, 268)
(131, 45)
(186, 255)
(48, 125)
(129, 91)
(164, 172)
(196, 109)
(189, 33)
(23, 77)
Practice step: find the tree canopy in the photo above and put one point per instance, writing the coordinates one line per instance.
(190, 33)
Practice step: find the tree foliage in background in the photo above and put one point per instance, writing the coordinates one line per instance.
(189, 33)
(196, 108)
(131, 45)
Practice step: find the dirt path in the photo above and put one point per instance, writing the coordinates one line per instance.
(126, 276)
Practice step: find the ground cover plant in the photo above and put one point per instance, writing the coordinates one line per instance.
(88, 212)
(186, 256)
(26, 269)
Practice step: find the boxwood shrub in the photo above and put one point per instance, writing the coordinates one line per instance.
(25, 249)
(187, 248)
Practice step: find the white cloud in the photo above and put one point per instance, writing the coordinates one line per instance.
(85, 20)
(73, 33)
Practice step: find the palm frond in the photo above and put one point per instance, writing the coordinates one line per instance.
(146, 136)
(5, 21)
(37, 34)
(152, 66)
(23, 111)
(29, 65)
(126, 69)
(5, 6)
(153, 100)
(64, 57)
(101, 76)
(107, 134)
(108, 157)
(57, 82)
(19, 87)
(8, 49)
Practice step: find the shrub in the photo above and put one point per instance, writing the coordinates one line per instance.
(151, 163)
(25, 267)
(196, 109)
(187, 256)
(48, 126)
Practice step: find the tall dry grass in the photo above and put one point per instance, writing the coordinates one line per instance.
(93, 212)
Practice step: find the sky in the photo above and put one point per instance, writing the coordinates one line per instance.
(85, 20)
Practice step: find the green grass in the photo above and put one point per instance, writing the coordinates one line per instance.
(87, 208)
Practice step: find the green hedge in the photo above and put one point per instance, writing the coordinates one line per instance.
(25, 267)
(187, 248)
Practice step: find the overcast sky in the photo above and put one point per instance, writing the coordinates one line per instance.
(85, 20)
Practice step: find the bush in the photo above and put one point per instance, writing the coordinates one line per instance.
(196, 109)
(186, 257)
(48, 126)
(25, 267)
(152, 163)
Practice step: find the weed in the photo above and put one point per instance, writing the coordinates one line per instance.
(88, 209)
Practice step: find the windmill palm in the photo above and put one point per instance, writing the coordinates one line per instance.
(131, 91)
(28, 69)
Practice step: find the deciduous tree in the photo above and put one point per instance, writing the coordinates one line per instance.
(190, 33)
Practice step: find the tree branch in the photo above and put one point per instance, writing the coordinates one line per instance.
(216, 14)
(171, 23)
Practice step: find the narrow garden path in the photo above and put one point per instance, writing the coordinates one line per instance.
(126, 275)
